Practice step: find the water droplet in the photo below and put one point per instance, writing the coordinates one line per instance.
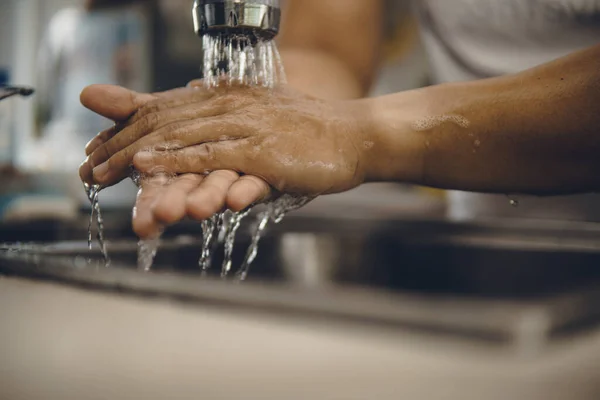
(147, 249)
(513, 201)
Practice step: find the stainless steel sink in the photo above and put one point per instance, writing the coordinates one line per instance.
(513, 284)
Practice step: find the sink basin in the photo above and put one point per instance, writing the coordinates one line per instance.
(500, 283)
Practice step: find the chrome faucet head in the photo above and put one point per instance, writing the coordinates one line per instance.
(258, 17)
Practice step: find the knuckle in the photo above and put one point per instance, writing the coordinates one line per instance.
(174, 131)
(108, 149)
(207, 151)
(100, 155)
(148, 108)
(148, 122)
(173, 161)
(123, 158)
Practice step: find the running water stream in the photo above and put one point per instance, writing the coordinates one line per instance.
(93, 192)
(228, 59)
(245, 60)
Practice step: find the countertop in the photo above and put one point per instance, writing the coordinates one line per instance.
(66, 343)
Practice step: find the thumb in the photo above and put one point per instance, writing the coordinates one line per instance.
(113, 102)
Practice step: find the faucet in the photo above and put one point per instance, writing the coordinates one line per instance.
(9, 91)
(260, 18)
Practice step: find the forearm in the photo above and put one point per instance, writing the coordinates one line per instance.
(321, 75)
(535, 132)
(330, 49)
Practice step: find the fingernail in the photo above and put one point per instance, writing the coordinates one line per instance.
(100, 171)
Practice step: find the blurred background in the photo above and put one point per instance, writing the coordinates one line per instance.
(61, 46)
(372, 294)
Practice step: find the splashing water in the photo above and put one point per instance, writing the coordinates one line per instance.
(93, 192)
(228, 59)
(209, 227)
(234, 220)
(246, 60)
(263, 220)
(147, 248)
(276, 211)
(242, 59)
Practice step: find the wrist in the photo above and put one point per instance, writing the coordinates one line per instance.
(393, 150)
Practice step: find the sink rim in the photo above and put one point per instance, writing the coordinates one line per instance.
(489, 321)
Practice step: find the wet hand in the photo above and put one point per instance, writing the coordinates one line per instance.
(295, 143)
(162, 200)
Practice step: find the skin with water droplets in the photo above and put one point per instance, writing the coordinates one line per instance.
(428, 123)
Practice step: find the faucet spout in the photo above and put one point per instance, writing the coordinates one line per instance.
(260, 18)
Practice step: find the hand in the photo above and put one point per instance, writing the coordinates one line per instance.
(161, 202)
(295, 143)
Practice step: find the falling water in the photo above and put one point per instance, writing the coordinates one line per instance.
(234, 220)
(263, 220)
(276, 211)
(209, 226)
(247, 60)
(228, 59)
(147, 248)
(93, 192)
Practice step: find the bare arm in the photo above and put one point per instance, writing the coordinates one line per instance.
(534, 132)
(331, 48)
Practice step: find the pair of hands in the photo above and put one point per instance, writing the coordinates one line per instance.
(228, 147)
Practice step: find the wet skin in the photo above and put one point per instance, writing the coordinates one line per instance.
(536, 132)
(227, 148)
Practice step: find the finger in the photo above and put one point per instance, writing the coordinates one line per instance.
(246, 191)
(100, 139)
(209, 197)
(146, 118)
(120, 104)
(202, 158)
(175, 135)
(113, 102)
(143, 221)
(170, 207)
(152, 122)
